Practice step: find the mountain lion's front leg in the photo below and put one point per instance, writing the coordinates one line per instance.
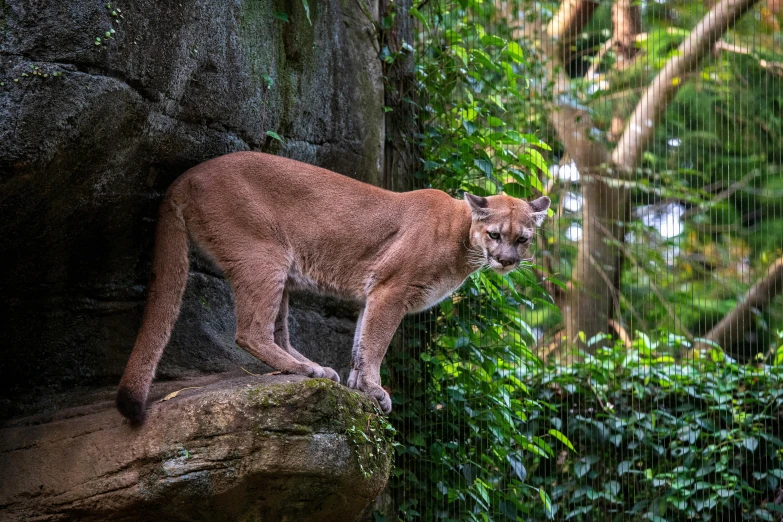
(355, 351)
(382, 315)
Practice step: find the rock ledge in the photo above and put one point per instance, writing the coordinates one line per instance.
(261, 448)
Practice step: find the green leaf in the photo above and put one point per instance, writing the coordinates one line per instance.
(417, 439)
(452, 36)
(307, 10)
(562, 438)
(579, 511)
(511, 76)
(547, 502)
(484, 166)
(274, 135)
(514, 51)
(481, 488)
(281, 15)
(581, 468)
(468, 114)
(420, 17)
(484, 59)
(539, 161)
(490, 40)
(494, 121)
(518, 467)
(461, 53)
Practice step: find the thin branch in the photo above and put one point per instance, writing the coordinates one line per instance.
(617, 295)
(677, 323)
(774, 67)
(734, 187)
(605, 48)
(622, 333)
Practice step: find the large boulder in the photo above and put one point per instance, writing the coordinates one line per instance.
(92, 132)
(261, 448)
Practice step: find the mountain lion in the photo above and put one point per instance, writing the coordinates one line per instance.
(273, 224)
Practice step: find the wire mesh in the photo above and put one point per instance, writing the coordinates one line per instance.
(638, 375)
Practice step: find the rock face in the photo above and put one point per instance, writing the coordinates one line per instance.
(93, 129)
(265, 448)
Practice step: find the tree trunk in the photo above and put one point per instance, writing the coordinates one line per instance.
(402, 121)
(627, 22)
(606, 205)
(596, 277)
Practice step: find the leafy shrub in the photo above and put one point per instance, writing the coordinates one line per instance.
(461, 406)
(462, 409)
(660, 440)
(471, 85)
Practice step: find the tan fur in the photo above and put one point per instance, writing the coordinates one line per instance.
(273, 224)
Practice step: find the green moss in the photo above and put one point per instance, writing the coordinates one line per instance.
(323, 405)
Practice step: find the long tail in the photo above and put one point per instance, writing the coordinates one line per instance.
(164, 298)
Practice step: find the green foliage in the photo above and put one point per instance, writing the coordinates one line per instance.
(462, 407)
(460, 403)
(115, 13)
(474, 444)
(657, 439)
(471, 82)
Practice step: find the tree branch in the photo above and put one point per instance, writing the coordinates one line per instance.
(730, 329)
(569, 21)
(695, 48)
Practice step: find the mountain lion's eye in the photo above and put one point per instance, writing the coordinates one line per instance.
(494, 235)
(523, 239)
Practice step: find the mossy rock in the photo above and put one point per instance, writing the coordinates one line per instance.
(264, 448)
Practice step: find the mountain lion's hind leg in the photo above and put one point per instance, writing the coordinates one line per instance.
(282, 339)
(258, 292)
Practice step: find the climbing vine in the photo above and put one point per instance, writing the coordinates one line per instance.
(370, 438)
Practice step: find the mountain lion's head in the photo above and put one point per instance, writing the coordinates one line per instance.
(503, 228)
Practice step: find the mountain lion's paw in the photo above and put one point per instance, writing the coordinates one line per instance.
(316, 372)
(379, 394)
(331, 374)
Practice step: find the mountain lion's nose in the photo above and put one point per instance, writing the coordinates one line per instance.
(506, 262)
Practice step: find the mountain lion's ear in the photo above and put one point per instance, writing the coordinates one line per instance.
(539, 206)
(479, 206)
